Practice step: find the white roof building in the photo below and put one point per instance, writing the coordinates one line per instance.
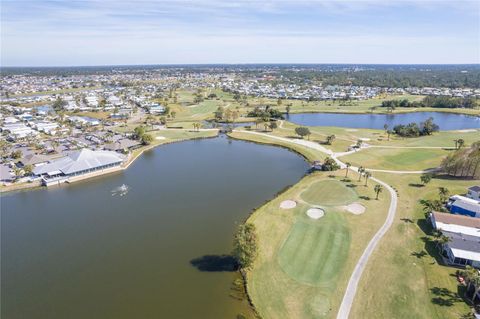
(80, 162)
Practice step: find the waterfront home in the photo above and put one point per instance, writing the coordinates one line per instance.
(6, 174)
(78, 163)
(474, 192)
(122, 145)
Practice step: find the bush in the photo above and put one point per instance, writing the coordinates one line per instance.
(245, 245)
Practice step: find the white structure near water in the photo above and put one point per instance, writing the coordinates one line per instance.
(80, 163)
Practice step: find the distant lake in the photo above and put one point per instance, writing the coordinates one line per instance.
(446, 121)
(76, 251)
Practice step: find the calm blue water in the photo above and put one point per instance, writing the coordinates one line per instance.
(446, 121)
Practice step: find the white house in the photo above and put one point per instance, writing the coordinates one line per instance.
(474, 192)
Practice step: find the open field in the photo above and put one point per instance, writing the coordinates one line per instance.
(304, 264)
(401, 159)
(403, 279)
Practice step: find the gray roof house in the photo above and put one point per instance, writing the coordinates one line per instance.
(462, 249)
(122, 144)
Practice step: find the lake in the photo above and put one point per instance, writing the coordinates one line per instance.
(446, 121)
(76, 251)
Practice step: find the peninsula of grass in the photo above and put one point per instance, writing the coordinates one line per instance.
(304, 264)
(308, 153)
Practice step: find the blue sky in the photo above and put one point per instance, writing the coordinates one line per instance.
(94, 32)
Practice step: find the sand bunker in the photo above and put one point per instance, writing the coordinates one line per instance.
(364, 139)
(467, 131)
(351, 130)
(315, 213)
(160, 137)
(355, 208)
(288, 204)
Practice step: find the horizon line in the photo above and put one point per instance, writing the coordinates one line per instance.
(231, 64)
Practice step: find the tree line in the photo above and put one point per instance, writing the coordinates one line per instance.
(464, 162)
(433, 101)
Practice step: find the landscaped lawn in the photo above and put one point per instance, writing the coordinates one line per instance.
(303, 264)
(397, 158)
(315, 250)
(329, 193)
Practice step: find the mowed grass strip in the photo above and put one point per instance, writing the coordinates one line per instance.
(329, 193)
(315, 251)
(397, 158)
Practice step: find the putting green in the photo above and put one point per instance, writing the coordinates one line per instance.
(329, 193)
(315, 250)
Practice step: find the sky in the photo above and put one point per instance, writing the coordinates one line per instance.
(120, 32)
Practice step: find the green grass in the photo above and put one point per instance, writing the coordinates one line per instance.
(316, 250)
(310, 154)
(329, 193)
(397, 283)
(397, 158)
(304, 265)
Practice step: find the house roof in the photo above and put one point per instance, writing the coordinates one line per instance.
(470, 205)
(460, 220)
(475, 188)
(464, 246)
(80, 161)
(32, 159)
(5, 173)
(121, 144)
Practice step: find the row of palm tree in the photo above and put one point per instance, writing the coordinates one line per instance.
(362, 171)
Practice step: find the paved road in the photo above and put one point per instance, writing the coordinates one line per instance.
(351, 290)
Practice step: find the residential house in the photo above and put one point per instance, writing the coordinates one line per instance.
(474, 192)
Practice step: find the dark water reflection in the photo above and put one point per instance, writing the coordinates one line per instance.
(78, 252)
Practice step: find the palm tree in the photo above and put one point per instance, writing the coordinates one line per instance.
(347, 166)
(367, 176)
(378, 189)
(471, 276)
(443, 192)
(360, 172)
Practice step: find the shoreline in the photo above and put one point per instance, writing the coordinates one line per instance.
(36, 185)
(402, 111)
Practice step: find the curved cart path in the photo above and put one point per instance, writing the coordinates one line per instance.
(351, 289)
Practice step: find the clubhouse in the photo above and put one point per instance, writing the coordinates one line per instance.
(84, 162)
